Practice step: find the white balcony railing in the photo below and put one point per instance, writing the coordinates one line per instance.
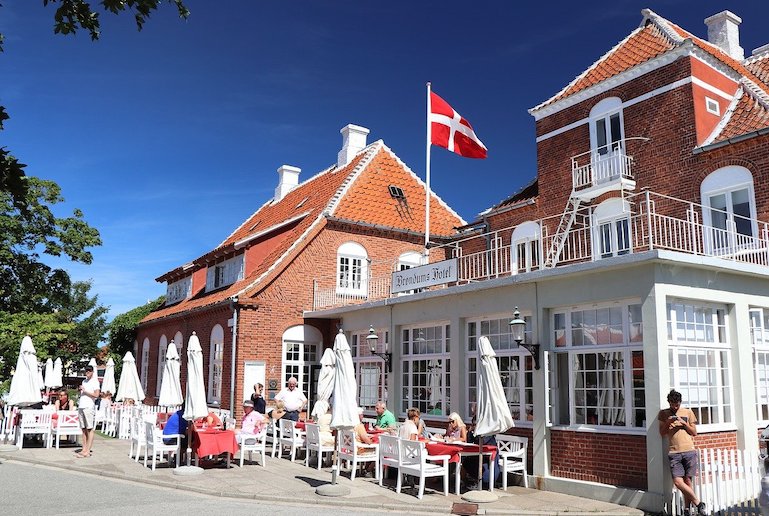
(654, 221)
(604, 166)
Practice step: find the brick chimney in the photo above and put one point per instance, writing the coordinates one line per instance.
(724, 32)
(353, 141)
(288, 178)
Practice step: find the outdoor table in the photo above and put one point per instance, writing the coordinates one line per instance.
(456, 451)
(302, 425)
(214, 441)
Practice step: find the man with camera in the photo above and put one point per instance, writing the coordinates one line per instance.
(680, 426)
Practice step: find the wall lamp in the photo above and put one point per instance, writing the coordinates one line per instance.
(372, 339)
(517, 327)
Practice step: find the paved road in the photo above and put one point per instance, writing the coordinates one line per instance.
(39, 490)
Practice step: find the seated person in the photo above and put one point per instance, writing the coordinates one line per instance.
(211, 420)
(64, 402)
(129, 401)
(277, 412)
(326, 436)
(410, 428)
(384, 418)
(252, 424)
(470, 463)
(456, 431)
(361, 436)
(176, 424)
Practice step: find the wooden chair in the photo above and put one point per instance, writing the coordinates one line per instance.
(512, 454)
(389, 454)
(413, 462)
(349, 450)
(34, 422)
(155, 443)
(313, 444)
(290, 436)
(253, 443)
(67, 424)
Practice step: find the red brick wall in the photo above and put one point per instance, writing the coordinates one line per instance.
(723, 440)
(596, 457)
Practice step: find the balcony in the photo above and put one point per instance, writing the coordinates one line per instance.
(598, 171)
(654, 221)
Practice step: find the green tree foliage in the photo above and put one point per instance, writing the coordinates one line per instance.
(48, 332)
(122, 329)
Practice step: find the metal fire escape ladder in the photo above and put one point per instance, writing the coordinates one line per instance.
(564, 225)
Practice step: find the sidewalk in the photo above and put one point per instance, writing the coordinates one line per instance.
(294, 483)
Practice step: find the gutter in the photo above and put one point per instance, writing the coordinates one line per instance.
(385, 228)
(235, 311)
(734, 139)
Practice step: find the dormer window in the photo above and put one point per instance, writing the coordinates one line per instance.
(606, 127)
(178, 290)
(396, 192)
(224, 273)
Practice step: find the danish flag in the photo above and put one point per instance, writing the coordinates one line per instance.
(449, 130)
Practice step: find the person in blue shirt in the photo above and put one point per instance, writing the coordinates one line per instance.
(176, 424)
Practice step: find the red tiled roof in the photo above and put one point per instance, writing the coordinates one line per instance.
(353, 192)
(747, 114)
(760, 67)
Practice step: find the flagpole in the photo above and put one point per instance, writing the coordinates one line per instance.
(427, 180)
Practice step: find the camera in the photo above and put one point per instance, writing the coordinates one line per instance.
(674, 418)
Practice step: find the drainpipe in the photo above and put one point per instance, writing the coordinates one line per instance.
(235, 311)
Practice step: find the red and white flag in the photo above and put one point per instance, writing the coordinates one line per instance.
(449, 130)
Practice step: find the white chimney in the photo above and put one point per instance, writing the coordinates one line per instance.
(724, 32)
(353, 141)
(288, 178)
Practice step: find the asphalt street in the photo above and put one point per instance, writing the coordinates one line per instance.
(40, 490)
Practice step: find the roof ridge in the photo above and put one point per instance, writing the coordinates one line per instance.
(662, 24)
(756, 92)
(419, 180)
(718, 129)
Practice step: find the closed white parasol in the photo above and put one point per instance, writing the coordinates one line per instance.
(195, 401)
(130, 386)
(344, 412)
(170, 385)
(325, 382)
(48, 376)
(24, 383)
(108, 383)
(58, 373)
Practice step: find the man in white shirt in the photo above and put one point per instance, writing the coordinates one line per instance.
(293, 399)
(89, 392)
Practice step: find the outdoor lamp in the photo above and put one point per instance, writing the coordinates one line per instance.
(372, 338)
(517, 327)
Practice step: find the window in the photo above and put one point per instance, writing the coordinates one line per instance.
(409, 260)
(179, 342)
(145, 363)
(162, 348)
(215, 365)
(729, 210)
(224, 273)
(611, 233)
(298, 357)
(352, 269)
(526, 247)
(712, 106)
(606, 127)
(759, 332)
(369, 369)
(178, 290)
(597, 375)
(426, 369)
(699, 359)
(515, 364)
(396, 192)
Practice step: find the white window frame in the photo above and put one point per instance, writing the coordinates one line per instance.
(369, 369)
(733, 238)
(712, 106)
(517, 381)
(215, 365)
(145, 361)
(178, 290)
(759, 336)
(298, 358)
(352, 269)
(179, 342)
(699, 353)
(162, 348)
(526, 248)
(578, 401)
(225, 273)
(427, 346)
(601, 115)
(612, 230)
(409, 260)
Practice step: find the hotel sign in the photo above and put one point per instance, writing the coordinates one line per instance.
(425, 276)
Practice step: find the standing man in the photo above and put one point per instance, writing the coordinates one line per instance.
(293, 399)
(89, 392)
(384, 418)
(258, 400)
(680, 426)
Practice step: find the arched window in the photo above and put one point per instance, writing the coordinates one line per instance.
(352, 269)
(525, 247)
(729, 210)
(408, 260)
(145, 362)
(162, 348)
(302, 346)
(179, 341)
(606, 127)
(215, 362)
(611, 229)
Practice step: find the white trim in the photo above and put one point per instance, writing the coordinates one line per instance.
(243, 241)
(712, 106)
(712, 89)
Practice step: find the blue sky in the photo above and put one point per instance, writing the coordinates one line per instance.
(170, 137)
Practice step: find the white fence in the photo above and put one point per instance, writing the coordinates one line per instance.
(728, 481)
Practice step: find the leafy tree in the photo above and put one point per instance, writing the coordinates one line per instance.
(122, 329)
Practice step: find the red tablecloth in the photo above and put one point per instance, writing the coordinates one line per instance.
(454, 451)
(213, 442)
(301, 425)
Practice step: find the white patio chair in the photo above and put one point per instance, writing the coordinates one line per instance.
(273, 436)
(290, 436)
(253, 443)
(314, 444)
(109, 426)
(389, 454)
(155, 444)
(100, 414)
(138, 436)
(513, 454)
(349, 449)
(413, 462)
(124, 422)
(67, 424)
(34, 422)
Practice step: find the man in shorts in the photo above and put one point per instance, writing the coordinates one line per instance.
(680, 426)
(86, 405)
